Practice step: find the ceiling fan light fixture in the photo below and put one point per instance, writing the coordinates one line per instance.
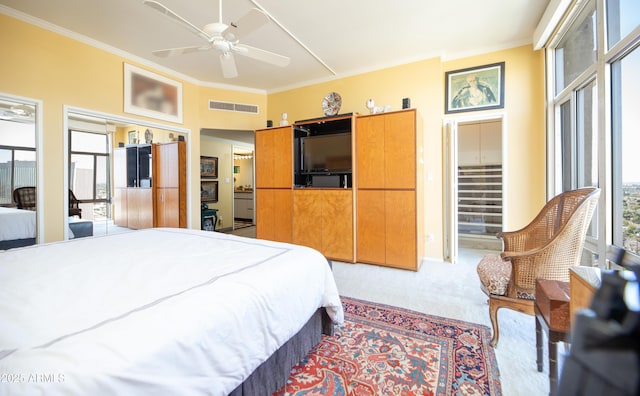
(223, 38)
(221, 45)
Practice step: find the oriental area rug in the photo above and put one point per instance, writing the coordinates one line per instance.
(385, 350)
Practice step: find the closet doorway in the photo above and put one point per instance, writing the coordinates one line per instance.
(475, 208)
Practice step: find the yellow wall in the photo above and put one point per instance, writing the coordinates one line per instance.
(60, 71)
(423, 83)
(524, 145)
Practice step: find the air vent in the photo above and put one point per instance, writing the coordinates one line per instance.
(228, 106)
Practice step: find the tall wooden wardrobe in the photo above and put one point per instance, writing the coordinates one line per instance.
(150, 188)
(389, 197)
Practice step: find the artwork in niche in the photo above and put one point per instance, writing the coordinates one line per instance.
(475, 88)
(133, 137)
(209, 191)
(207, 224)
(209, 167)
(152, 95)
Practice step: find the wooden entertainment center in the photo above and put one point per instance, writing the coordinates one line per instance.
(367, 208)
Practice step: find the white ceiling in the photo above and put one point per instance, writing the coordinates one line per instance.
(349, 36)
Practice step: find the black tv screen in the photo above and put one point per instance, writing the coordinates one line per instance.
(326, 153)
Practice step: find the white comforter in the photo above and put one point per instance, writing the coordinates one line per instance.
(17, 224)
(162, 311)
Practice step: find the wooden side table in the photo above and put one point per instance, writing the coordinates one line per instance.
(583, 282)
(552, 315)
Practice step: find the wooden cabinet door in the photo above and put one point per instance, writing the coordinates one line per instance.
(400, 229)
(265, 212)
(120, 207)
(264, 151)
(400, 150)
(283, 158)
(370, 226)
(140, 208)
(370, 141)
(337, 224)
(274, 209)
(167, 165)
(307, 218)
(274, 157)
(168, 207)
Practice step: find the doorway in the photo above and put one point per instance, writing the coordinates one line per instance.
(243, 191)
(474, 184)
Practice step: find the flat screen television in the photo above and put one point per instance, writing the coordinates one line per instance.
(326, 153)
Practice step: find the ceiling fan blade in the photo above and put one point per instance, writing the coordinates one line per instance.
(245, 25)
(178, 51)
(261, 55)
(228, 64)
(175, 17)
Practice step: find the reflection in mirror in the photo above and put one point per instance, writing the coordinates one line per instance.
(96, 203)
(18, 165)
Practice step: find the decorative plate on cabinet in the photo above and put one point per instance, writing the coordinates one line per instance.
(331, 103)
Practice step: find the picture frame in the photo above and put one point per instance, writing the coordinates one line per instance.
(132, 137)
(209, 167)
(152, 95)
(209, 191)
(475, 88)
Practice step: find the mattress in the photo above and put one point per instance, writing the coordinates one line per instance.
(17, 224)
(159, 311)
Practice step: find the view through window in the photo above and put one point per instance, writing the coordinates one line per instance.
(589, 94)
(89, 173)
(17, 149)
(626, 138)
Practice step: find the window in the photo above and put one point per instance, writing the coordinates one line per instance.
(89, 172)
(579, 141)
(626, 140)
(577, 49)
(593, 86)
(17, 158)
(622, 17)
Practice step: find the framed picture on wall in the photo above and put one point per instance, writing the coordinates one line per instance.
(152, 95)
(475, 88)
(133, 137)
(209, 191)
(209, 167)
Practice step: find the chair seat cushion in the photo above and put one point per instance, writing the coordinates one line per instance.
(494, 274)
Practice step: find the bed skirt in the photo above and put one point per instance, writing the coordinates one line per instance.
(15, 243)
(273, 373)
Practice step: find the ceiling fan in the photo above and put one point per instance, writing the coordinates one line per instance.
(223, 38)
(17, 113)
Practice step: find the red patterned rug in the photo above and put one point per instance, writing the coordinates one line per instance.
(385, 350)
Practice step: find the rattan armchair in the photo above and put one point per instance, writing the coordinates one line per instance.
(544, 249)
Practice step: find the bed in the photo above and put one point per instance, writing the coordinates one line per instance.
(17, 228)
(160, 311)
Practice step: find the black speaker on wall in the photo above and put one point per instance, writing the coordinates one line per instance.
(406, 103)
